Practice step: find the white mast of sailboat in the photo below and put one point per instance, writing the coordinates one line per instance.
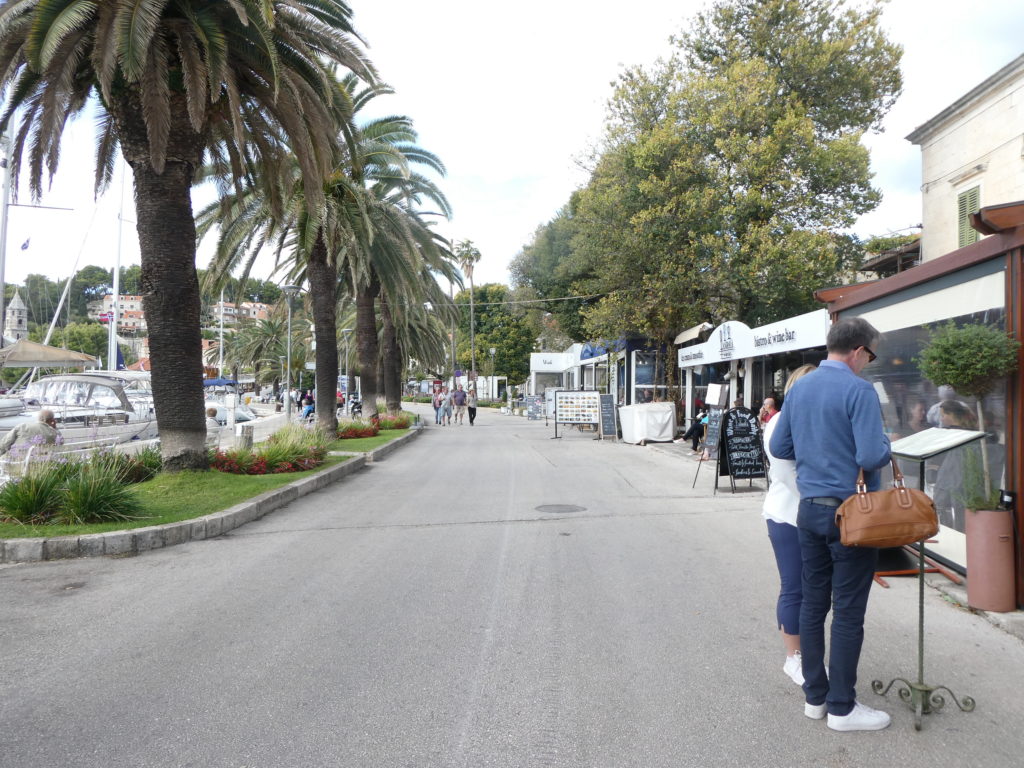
(113, 318)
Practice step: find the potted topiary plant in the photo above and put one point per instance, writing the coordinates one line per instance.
(971, 359)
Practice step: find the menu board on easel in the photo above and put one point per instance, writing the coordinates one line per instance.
(742, 454)
(608, 428)
(534, 407)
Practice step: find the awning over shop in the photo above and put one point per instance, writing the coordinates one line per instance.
(734, 340)
(692, 333)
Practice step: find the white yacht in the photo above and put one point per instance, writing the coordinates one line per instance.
(92, 408)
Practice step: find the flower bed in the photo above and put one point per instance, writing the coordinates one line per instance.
(358, 428)
(401, 421)
(292, 449)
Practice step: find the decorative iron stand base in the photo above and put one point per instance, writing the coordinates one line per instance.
(923, 699)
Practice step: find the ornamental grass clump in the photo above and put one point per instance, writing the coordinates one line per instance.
(97, 494)
(129, 469)
(69, 493)
(32, 498)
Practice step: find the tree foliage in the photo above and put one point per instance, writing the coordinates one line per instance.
(498, 326)
(729, 170)
(970, 359)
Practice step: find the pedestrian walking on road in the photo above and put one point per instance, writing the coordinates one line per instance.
(459, 402)
(831, 425)
(438, 400)
(446, 407)
(471, 405)
(780, 510)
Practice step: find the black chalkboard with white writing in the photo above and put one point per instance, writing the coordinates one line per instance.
(608, 428)
(714, 432)
(742, 454)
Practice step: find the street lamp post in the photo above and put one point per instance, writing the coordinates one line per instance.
(347, 332)
(491, 388)
(289, 291)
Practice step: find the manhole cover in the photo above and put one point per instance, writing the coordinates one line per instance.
(559, 509)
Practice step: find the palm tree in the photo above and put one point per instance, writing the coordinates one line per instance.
(468, 255)
(365, 232)
(260, 344)
(173, 81)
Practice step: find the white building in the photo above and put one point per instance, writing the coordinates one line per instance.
(130, 316)
(972, 156)
(16, 319)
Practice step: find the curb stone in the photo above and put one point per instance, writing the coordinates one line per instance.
(136, 540)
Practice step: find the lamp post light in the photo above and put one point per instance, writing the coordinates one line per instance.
(280, 362)
(347, 332)
(289, 291)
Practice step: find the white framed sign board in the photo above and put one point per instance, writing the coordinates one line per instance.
(573, 407)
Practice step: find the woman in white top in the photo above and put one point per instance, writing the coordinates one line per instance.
(780, 508)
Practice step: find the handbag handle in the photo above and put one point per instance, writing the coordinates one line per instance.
(897, 478)
(903, 498)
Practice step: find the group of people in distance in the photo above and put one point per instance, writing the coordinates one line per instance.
(454, 405)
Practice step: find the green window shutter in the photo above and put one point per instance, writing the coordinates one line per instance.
(967, 203)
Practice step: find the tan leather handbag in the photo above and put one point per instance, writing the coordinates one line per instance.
(889, 518)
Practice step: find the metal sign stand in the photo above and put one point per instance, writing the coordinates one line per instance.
(922, 698)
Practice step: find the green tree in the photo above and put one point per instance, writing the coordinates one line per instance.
(546, 269)
(91, 283)
(498, 326)
(41, 296)
(131, 280)
(730, 170)
(90, 338)
(363, 225)
(173, 81)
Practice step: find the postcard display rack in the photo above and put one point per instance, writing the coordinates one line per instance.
(922, 698)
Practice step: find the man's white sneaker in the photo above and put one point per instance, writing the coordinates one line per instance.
(815, 711)
(861, 718)
(794, 668)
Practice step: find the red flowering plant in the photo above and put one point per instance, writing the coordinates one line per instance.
(402, 421)
(357, 428)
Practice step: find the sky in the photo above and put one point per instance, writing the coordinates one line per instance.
(514, 100)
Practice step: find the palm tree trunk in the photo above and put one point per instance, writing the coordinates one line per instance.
(323, 281)
(390, 360)
(366, 343)
(168, 281)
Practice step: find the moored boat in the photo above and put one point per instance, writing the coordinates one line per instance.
(93, 408)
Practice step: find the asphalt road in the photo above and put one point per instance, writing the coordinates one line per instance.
(434, 610)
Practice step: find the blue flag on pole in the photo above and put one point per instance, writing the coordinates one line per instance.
(24, 246)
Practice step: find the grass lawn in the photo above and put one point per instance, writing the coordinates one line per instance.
(364, 444)
(170, 498)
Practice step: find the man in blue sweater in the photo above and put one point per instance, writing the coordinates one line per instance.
(831, 425)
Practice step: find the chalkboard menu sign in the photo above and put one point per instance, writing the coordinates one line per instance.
(742, 455)
(714, 432)
(608, 428)
(534, 407)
